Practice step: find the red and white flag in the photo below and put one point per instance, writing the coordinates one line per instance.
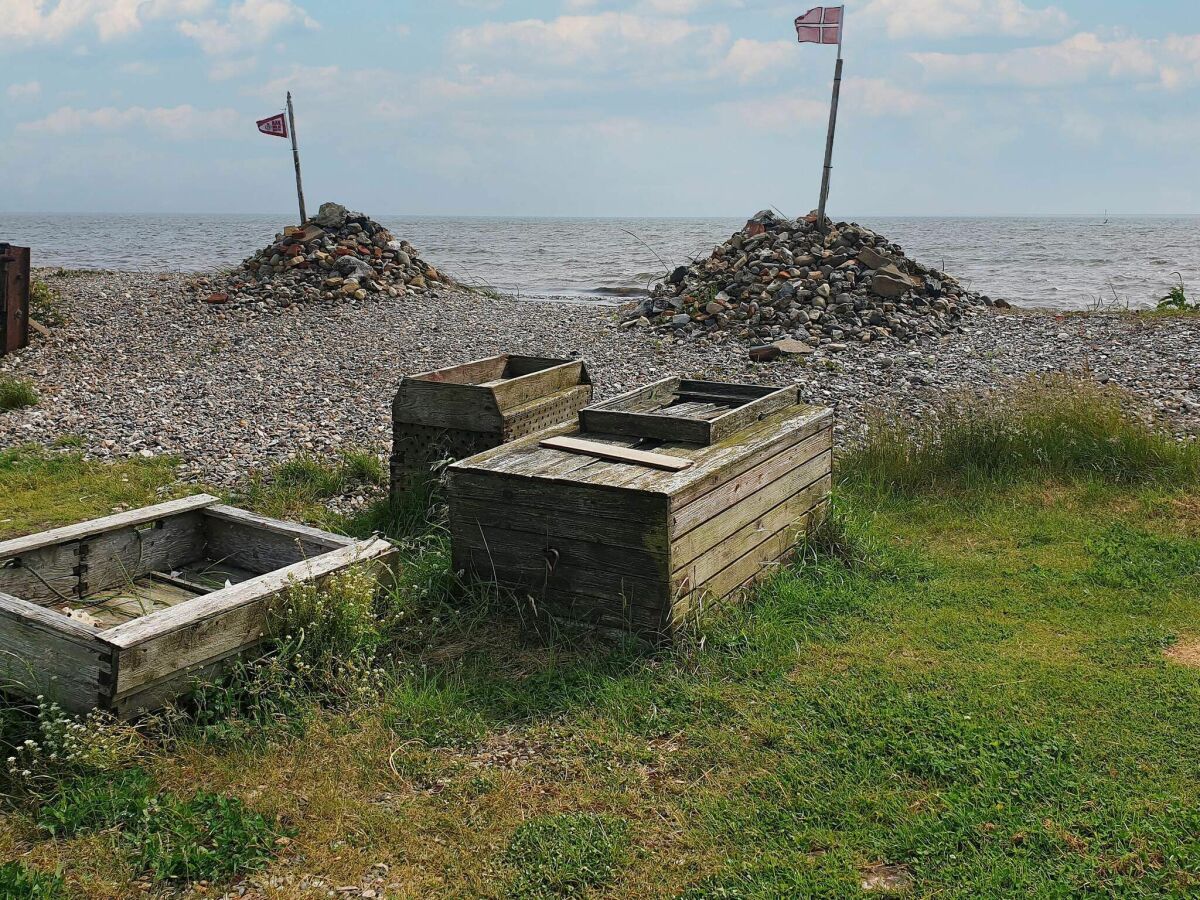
(276, 126)
(821, 25)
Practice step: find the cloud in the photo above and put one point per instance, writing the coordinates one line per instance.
(608, 39)
(21, 91)
(246, 24)
(176, 122)
(869, 97)
(747, 58)
(962, 18)
(45, 20)
(1075, 60)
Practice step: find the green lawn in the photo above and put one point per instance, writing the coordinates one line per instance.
(966, 689)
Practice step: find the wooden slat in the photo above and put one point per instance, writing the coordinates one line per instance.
(466, 407)
(618, 454)
(260, 544)
(729, 424)
(476, 371)
(44, 652)
(132, 518)
(761, 561)
(522, 389)
(717, 557)
(616, 530)
(684, 519)
(812, 474)
(194, 633)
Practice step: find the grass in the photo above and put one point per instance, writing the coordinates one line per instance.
(1045, 427)
(963, 679)
(16, 393)
(20, 883)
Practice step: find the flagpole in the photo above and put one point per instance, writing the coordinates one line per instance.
(833, 111)
(296, 156)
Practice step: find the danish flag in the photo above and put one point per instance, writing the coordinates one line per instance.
(821, 25)
(275, 126)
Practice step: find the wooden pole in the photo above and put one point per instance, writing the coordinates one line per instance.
(833, 129)
(833, 111)
(296, 158)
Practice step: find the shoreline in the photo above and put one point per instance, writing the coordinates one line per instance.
(143, 369)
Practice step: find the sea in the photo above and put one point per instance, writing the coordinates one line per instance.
(1059, 263)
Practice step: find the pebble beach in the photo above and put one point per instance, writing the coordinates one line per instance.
(141, 368)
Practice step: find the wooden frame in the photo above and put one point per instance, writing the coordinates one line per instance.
(121, 612)
(680, 409)
(455, 412)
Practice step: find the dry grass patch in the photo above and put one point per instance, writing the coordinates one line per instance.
(1185, 652)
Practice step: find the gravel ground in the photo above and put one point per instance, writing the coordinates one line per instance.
(142, 369)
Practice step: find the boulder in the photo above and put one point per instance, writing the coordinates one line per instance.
(331, 215)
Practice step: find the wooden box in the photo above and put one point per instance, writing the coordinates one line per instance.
(457, 412)
(600, 528)
(121, 612)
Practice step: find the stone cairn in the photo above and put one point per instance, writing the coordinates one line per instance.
(790, 287)
(337, 256)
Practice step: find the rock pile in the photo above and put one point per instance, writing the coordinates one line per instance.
(337, 256)
(793, 287)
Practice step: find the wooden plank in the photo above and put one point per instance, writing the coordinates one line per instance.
(522, 389)
(117, 558)
(759, 562)
(132, 518)
(555, 550)
(738, 419)
(645, 425)
(261, 545)
(501, 490)
(465, 407)
(791, 510)
(689, 516)
(43, 575)
(44, 652)
(210, 627)
(646, 533)
(476, 371)
(547, 412)
(310, 535)
(814, 474)
(618, 454)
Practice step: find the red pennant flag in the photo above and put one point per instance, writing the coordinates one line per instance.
(820, 25)
(275, 126)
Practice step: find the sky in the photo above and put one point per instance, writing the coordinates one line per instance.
(599, 107)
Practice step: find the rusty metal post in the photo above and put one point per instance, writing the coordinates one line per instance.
(14, 298)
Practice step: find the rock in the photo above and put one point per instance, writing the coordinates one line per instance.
(776, 275)
(353, 267)
(311, 263)
(331, 215)
(873, 259)
(765, 353)
(792, 347)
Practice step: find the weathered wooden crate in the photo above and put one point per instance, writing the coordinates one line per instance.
(121, 612)
(684, 493)
(466, 409)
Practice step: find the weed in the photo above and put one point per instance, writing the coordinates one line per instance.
(297, 488)
(45, 305)
(16, 393)
(1177, 300)
(43, 744)
(565, 855)
(1050, 426)
(204, 837)
(20, 883)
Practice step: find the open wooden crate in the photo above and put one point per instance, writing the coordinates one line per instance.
(120, 613)
(458, 411)
(656, 503)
